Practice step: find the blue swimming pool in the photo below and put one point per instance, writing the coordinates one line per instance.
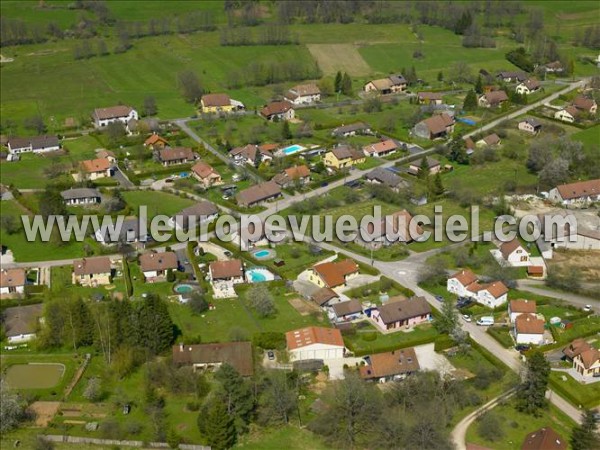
(467, 121)
(293, 149)
(259, 274)
(262, 253)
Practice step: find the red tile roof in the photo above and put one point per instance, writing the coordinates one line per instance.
(579, 189)
(226, 269)
(304, 337)
(379, 147)
(523, 306)
(529, 324)
(12, 277)
(95, 165)
(465, 277)
(153, 261)
(396, 362)
(334, 273)
(91, 266)
(215, 100)
(544, 439)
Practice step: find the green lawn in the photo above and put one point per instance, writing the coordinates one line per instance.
(297, 257)
(586, 395)
(515, 426)
(216, 325)
(156, 202)
(62, 282)
(589, 137)
(362, 343)
(70, 88)
(25, 251)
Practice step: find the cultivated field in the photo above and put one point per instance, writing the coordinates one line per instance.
(343, 57)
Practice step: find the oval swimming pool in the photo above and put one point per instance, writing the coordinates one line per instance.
(183, 288)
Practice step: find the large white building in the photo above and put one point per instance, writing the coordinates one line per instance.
(315, 343)
(120, 113)
(36, 144)
(581, 192)
(465, 284)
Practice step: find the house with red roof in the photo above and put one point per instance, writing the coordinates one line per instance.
(381, 148)
(333, 274)
(458, 283)
(529, 329)
(518, 307)
(466, 284)
(576, 193)
(584, 356)
(315, 343)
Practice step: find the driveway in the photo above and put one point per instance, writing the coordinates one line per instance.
(430, 360)
(124, 182)
(336, 366)
(359, 280)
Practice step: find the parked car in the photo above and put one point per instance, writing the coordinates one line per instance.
(271, 355)
(439, 298)
(522, 348)
(485, 321)
(467, 318)
(228, 253)
(587, 308)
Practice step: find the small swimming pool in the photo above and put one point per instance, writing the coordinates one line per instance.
(259, 274)
(293, 149)
(264, 254)
(183, 288)
(467, 121)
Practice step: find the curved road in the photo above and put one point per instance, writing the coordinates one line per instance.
(404, 272)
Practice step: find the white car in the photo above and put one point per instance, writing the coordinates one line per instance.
(466, 318)
(587, 308)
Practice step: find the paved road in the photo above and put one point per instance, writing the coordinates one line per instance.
(459, 433)
(530, 107)
(405, 272)
(538, 287)
(182, 123)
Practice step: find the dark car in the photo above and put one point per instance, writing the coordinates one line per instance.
(439, 298)
(522, 348)
(324, 184)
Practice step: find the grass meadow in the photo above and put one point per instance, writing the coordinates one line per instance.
(59, 87)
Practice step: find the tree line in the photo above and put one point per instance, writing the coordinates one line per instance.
(261, 73)
(270, 34)
(112, 326)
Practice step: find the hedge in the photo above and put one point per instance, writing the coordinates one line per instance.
(498, 334)
(127, 278)
(487, 355)
(171, 170)
(399, 345)
(587, 403)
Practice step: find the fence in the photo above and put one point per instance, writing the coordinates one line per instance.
(138, 444)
